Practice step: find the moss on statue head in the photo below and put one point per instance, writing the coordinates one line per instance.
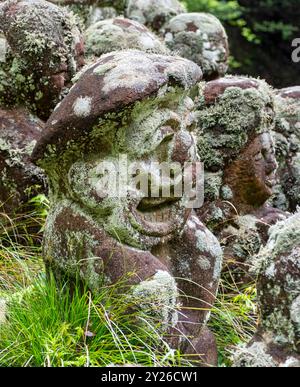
(234, 118)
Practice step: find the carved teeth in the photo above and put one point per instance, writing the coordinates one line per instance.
(157, 216)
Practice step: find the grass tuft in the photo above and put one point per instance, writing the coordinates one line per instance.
(47, 327)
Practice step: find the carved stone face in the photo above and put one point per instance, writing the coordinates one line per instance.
(133, 105)
(252, 175)
(201, 38)
(158, 136)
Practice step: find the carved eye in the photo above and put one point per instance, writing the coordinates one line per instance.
(265, 153)
(258, 156)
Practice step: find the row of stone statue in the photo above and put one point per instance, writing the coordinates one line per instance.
(154, 95)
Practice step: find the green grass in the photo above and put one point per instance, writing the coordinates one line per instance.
(20, 245)
(47, 327)
(234, 315)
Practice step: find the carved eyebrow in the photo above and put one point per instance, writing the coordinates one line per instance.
(172, 122)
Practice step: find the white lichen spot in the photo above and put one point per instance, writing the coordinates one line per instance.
(270, 271)
(3, 308)
(290, 362)
(204, 263)
(253, 356)
(146, 42)
(158, 296)
(82, 106)
(207, 243)
(295, 311)
(3, 48)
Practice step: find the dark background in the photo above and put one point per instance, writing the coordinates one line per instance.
(260, 36)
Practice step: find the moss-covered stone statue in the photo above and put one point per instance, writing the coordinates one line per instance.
(277, 340)
(201, 38)
(235, 119)
(91, 11)
(287, 137)
(19, 177)
(42, 51)
(130, 105)
(119, 34)
(153, 13)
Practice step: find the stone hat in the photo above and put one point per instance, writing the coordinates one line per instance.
(290, 92)
(116, 81)
(231, 112)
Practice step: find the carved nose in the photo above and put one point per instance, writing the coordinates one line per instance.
(182, 147)
(272, 164)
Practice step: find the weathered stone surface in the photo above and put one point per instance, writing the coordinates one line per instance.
(119, 34)
(201, 38)
(117, 4)
(235, 119)
(132, 104)
(276, 342)
(153, 13)
(92, 11)
(19, 132)
(97, 14)
(287, 137)
(44, 50)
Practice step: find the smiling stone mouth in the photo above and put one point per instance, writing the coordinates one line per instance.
(156, 210)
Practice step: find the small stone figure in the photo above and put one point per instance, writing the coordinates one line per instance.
(153, 13)
(119, 34)
(117, 4)
(235, 119)
(43, 52)
(287, 136)
(201, 38)
(91, 11)
(19, 132)
(131, 106)
(277, 340)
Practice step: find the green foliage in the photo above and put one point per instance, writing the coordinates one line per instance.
(47, 327)
(260, 34)
(20, 244)
(234, 316)
(224, 10)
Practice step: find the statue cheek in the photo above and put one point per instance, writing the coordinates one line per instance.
(182, 149)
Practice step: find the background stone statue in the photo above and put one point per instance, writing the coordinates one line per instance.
(153, 13)
(235, 119)
(119, 34)
(43, 51)
(201, 38)
(131, 104)
(91, 11)
(287, 137)
(19, 132)
(276, 342)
